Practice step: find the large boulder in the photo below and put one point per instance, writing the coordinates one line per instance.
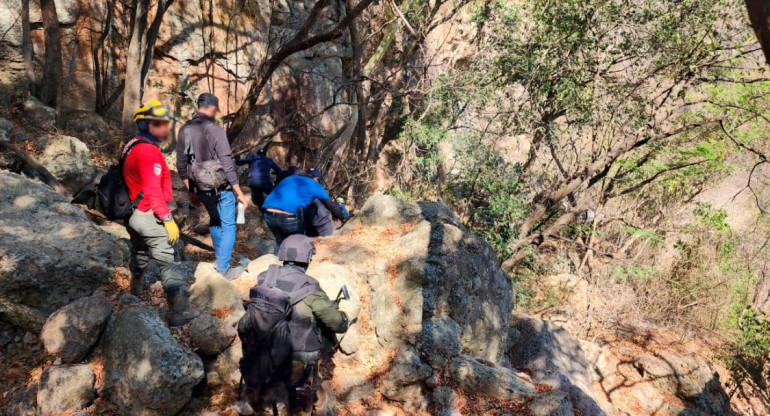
(63, 388)
(69, 160)
(147, 371)
(87, 126)
(476, 377)
(213, 293)
(659, 380)
(211, 335)
(433, 297)
(50, 253)
(73, 330)
(39, 115)
(332, 277)
(555, 358)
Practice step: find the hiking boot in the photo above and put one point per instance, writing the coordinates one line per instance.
(179, 312)
(136, 285)
(232, 273)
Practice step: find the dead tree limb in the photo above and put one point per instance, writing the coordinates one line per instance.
(30, 161)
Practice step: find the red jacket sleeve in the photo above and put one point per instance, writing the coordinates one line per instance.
(151, 171)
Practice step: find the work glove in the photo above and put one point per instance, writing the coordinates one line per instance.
(173, 231)
(351, 309)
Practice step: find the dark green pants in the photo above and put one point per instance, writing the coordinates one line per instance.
(149, 240)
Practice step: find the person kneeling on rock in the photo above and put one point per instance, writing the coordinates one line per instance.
(151, 227)
(283, 332)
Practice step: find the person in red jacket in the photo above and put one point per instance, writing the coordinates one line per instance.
(151, 227)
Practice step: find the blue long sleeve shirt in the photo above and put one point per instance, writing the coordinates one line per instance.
(299, 191)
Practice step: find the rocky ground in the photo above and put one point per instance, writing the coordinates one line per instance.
(438, 332)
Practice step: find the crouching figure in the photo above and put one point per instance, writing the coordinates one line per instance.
(284, 333)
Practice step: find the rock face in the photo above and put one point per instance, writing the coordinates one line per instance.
(87, 126)
(39, 115)
(434, 298)
(658, 381)
(147, 372)
(555, 358)
(69, 160)
(71, 332)
(63, 388)
(50, 253)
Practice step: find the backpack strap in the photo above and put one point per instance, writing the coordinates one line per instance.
(126, 150)
(188, 147)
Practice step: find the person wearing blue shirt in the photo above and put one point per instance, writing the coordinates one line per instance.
(291, 195)
(260, 182)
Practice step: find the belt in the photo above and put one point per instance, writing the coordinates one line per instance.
(215, 192)
(281, 214)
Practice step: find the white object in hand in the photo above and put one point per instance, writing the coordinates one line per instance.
(241, 214)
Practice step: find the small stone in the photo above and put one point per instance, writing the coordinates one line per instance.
(29, 338)
(128, 299)
(243, 408)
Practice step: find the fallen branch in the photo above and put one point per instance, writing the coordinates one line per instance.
(30, 161)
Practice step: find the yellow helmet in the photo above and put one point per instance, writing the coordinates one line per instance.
(152, 110)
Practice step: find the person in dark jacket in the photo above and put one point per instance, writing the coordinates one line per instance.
(292, 168)
(292, 195)
(208, 141)
(260, 182)
(313, 317)
(318, 221)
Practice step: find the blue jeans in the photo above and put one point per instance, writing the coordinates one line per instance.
(283, 227)
(222, 211)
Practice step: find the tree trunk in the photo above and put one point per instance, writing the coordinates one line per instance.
(132, 91)
(27, 49)
(52, 66)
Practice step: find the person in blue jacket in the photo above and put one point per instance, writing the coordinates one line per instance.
(260, 182)
(292, 195)
(318, 221)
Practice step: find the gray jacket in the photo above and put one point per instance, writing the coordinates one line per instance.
(209, 141)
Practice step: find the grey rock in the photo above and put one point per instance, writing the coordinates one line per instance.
(147, 372)
(63, 388)
(331, 278)
(22, 403)
(212, 291)
(6, 129)
(39, 115)
(440, 339)
(486, 379)
(226, 370)
(263, 246)
(556, 358)
(87, 126)
(73, 330)
(261, 264)
(552, 403)
(447, 402)
(51, 253)
(69, 160)
(407, 370)
(29, 338)
(387, 210)
(128, 299)
(210, 334)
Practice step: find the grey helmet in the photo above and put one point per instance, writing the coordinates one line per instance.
(297, 248)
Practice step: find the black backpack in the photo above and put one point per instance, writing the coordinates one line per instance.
(265, 331)
(112, 191)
